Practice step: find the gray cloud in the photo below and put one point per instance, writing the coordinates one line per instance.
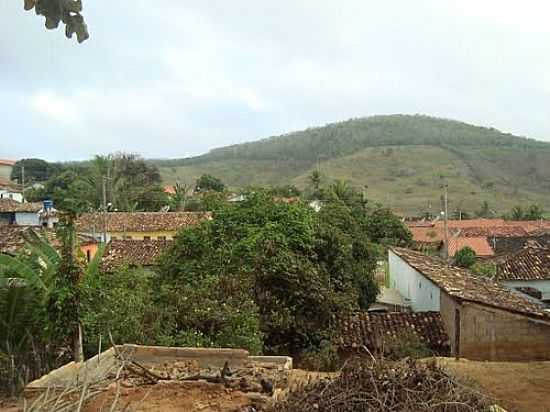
(179, 78)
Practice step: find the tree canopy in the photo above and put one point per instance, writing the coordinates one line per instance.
(66, 11)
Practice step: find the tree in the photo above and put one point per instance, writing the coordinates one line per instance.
(485, 210)
(533, 212)
(179, 197)
(465, 257)
(66, 11)
(207, 183)
(315, 180)
(284, 267)
(36, 170)
(384, 227)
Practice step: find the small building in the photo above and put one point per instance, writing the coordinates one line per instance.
(6, 166)
(527, 269)
(133, 253)
(137, 225)
(480, 246)
(484, 319)
(379, 332)
(22, 214)
(9, 190)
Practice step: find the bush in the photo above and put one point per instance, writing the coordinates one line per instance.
(465, 257)
(407, 345)
(323, 358)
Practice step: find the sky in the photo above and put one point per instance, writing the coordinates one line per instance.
(176, 78)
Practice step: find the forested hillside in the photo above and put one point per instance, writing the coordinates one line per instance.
(399, 157)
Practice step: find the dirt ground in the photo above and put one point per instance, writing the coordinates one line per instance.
(518, 387)
(174, 397)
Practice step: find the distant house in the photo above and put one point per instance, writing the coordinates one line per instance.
(133, 253)
(484, 319)
(22, 214)
(9, 190)
(14, 238)
(480, 245)
(6, 166)
(360, 331)
(137, 225)
(528, 271)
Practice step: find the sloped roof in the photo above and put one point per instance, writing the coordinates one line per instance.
(531, 263)
(357, 329)
(426, 234)
(496, 231)
(12, 206)
(5, 162)
(471, 223)
(119, 222)
(479, 245)
(463, 285)
(133, 253)
(14, 237)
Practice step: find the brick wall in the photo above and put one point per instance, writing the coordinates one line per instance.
(492, 334)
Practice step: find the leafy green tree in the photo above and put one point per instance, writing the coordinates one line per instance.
(36, 170)
(534, 212)
(283, 265)
(517, 213)
(178, 199)
(465, 257)
(485, 210)
(66, 11)
(207, 183)
(315, 181)
(385, 228)
(285, 191)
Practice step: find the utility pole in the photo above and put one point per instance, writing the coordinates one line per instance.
(445, 223)
(23, 182)
(104, 181)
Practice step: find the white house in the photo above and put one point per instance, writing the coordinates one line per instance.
(7, 192)
(27, 214)
(527, 270)
(416, 288)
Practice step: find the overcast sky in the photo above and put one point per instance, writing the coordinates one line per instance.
(174, 78)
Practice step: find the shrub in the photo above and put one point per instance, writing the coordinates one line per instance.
(465, 257)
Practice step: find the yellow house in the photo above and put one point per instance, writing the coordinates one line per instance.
(137, 225)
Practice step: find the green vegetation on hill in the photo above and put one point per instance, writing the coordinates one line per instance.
(400, 158)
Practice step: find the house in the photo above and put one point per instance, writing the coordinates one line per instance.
(527, 269)
(133, 253)
(480, 245)
(376, 332)
(484, 319)
(9, 190)
(22, 214)
(6, 166)
(137, 225)
(14, 238)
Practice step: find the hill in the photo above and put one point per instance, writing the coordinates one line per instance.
(399, 157)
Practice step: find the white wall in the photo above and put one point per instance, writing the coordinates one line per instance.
(542, 285)
(411, 284)
(5, 172)
(6, 194)
(27, 219)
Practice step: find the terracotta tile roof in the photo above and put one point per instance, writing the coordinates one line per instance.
(118, 222)
(480, 245)
(471, 223)
(11, 206)
(5, 162)
(463, 285)
(496, 231)
(133, 253)
(531, 263)
(358, 329)
(13, 237)
(426, 234)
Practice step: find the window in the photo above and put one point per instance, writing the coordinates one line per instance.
(161, 238)
(146, 237)
(88, 256)
(126, 237)
(419, 285)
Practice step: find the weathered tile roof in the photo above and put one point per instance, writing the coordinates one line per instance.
(13, 237)
(463, 285)
(133, 253)
(11, 206)
(120, 222)
(530, 263)
(357, 329)
(5, 162)
(480, 245)
(471, 223)
(496, 231)
(426, 234)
